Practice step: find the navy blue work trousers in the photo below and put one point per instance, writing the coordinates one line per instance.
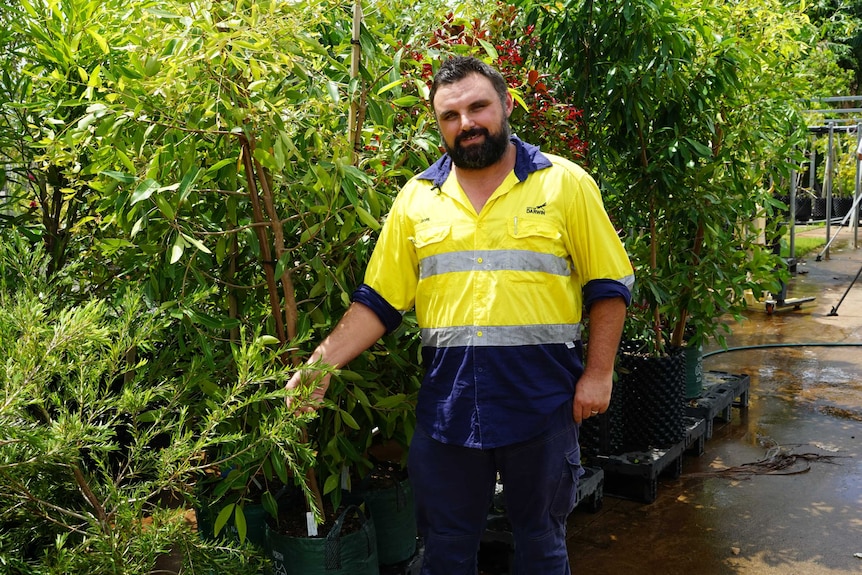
(454, 486)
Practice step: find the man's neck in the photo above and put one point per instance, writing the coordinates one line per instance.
(480, 184)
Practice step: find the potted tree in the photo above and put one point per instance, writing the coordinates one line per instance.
(677, 115)
(232, 186)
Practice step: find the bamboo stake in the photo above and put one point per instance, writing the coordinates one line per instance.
(352, 132)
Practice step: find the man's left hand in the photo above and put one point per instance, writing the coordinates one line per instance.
(592, 396)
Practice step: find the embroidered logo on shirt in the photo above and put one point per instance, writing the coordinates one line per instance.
(540, 209)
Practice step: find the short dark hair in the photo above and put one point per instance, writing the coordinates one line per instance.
(457, 68)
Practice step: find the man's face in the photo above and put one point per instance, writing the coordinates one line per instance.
(473, 122)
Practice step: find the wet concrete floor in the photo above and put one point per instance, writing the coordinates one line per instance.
(805, 401)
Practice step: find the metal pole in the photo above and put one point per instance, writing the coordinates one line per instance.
(854, 213)
(827, 184)
(812, 169)
(834, 310)
(793, 218)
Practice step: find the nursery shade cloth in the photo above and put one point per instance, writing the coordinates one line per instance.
(498, 294)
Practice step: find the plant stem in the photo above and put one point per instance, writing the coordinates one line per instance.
(263, 239)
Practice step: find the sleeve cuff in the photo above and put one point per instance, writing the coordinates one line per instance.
(389, 316)
(603, 289)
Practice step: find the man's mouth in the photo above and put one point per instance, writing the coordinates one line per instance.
(471, 136)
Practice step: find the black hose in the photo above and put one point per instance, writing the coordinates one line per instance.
(771, 345)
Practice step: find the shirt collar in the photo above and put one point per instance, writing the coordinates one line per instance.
(528, 159)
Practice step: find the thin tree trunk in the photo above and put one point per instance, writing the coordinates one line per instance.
(263, 240)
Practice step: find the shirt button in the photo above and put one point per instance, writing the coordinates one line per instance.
(480, 260)
(478, 334)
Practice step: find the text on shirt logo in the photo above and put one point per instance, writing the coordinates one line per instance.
(540, 209)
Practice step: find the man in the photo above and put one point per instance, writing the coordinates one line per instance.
(499, 248)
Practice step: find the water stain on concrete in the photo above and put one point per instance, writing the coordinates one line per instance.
(805, 403)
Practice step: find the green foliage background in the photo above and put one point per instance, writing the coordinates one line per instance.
(191, 192)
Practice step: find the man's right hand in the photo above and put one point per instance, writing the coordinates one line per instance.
(304, 377)
(356, 331)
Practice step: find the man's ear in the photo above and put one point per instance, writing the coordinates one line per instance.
(510, 104)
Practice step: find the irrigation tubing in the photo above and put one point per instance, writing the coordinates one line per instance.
(772, 345)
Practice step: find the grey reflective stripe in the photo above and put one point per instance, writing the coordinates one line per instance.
(628, 281)
(501, 335)
(493, 260)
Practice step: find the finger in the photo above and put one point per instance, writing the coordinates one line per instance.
(576, 415)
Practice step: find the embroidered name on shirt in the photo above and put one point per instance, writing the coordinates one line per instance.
(540, 210)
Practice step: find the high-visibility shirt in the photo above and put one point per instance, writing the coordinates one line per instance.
(498, 294)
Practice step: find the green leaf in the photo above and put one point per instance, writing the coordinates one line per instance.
(367, 218)
(516, 95)
(144, 190)
(348, 420)
(177, 250)
(139, 225)
(330, 484)
(196, 243)
(391, 402)
(349, 375)
(103, 44)
(269, 503)
(222, 518)
(221, 164)
(120, 176)
(212, 322)
(489, 49)
(162, 13)
(332, 89)
(361, 397)
(188, 182)
(164, 206)
(406, 101)
(701, 149)
(29, 8)
(282, 264)
(241, 525)
(279, 465)
(389, 86)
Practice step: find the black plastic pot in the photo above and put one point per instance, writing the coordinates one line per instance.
(841, 207)
(818, 209)
(803, 209)
(647, 406)
(654, 407)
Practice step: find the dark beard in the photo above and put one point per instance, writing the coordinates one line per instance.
(478, 156)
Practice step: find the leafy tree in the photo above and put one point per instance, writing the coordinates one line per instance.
(839, 33)
(689, 111)
(207, 156)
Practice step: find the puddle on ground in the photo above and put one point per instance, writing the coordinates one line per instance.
(820, 379)
(804, 400)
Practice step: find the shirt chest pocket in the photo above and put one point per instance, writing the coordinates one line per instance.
(534, 232)
(535, 250)
(426, 239)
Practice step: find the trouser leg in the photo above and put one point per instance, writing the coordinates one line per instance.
(540, 479)
(453, 487)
